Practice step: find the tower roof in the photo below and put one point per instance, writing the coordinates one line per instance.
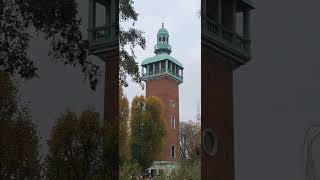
(160, 57)
(163, 31)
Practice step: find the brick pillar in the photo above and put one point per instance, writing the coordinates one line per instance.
(217, 114)
(111, 117)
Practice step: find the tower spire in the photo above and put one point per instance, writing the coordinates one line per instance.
(163, 22)
(198, 113)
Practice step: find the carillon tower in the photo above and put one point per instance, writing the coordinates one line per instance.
(223, 50)
(163, 74)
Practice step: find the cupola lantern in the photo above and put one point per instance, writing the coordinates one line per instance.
(162, 45)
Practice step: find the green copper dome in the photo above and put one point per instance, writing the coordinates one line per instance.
(163, 31)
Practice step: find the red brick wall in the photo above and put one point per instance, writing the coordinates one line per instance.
(166, 90)
(217, 114)
(111, 113)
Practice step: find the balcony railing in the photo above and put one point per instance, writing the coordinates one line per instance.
(103, 34)
(162, 46)
(152, 74)
(228, 38)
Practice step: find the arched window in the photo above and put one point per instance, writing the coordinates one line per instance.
(173, 103)
(159, 39)
(173, 152)
(163, 39)
(173, 122)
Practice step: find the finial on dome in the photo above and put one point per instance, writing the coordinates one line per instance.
(162, 24)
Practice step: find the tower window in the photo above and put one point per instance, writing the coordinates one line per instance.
(173, 122)
(209, 142)
(159, 39)
(173, 152)
(163, 65)
(173, 103)
(163, 39)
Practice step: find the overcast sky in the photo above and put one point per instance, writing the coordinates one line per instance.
(276, 94)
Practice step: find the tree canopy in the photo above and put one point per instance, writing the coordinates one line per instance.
(147, 130)
(190, 146)
(123, 127)
(190, 140)
(75, 146)
(19, 138)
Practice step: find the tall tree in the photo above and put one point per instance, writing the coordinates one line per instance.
(59, 22)
(8, 92)
(190, 140)
(147, 130)
(19, 138)
(190, 164)
(75, 146)
(123, 127)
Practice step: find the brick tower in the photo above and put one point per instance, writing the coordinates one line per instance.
(163, 74)
(223, 50)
